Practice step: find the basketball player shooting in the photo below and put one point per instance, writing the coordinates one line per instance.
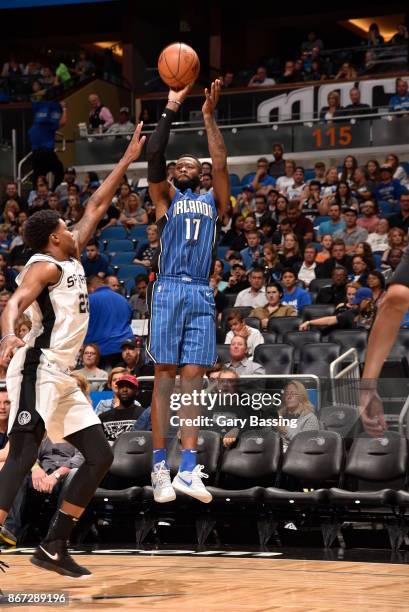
(52, 286)
(181, 305)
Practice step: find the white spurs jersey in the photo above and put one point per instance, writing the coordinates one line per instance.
(60, 314)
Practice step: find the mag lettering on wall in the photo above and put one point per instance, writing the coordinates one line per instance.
(265, 105)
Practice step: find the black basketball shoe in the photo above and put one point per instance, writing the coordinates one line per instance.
(54, 556)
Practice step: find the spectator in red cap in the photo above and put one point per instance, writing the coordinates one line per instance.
(124, 416)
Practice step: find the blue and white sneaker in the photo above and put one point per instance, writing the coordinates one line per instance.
(161, 484)
(191, 484)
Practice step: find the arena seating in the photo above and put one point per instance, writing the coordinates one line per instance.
(298, 339)
(351, 338)
(282, 325)
(316, 478)
(315, 358)
(275, 358)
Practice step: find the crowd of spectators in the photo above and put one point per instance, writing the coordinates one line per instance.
(311, 62)
(287, 227)
(47, 78)
(283, 231)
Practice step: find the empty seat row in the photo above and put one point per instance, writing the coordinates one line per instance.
(119, 232)
(315, 473)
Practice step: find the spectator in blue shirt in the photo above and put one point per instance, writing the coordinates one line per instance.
(261, 178)
(94, 263)
(48, 118)
(251, 254)
(400, 101)
(334, 224)
(389, 189)
(109, 321)
(293, 295)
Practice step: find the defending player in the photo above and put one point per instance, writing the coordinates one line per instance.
(44, 397)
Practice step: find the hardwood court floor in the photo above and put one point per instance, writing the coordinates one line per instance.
(201, 584)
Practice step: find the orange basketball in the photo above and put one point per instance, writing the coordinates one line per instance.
(178, 65)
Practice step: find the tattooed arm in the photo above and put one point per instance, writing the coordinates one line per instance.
(217, 149)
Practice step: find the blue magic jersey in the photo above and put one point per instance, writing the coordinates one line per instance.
(188, 235)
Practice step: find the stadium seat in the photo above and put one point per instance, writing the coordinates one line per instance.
(234, 180)
(247, 178)
(208, 453)
(314, 459)
(316, 284)
(254, 461)
(343, 419)
(316, 311)
(374, 469)
(401, 347)
(253, 322)
(115, 246)
(223, 353)
(297, 339)
(315, 358)
(117, 232)
(235, 191)
(131, 469)
(269, 337)
(130, 271)
(282, 325)
(351, 338)
(231, 300)
(138, 232)
(132, 465)
(275, 358)
(221, 251)
(124, 258)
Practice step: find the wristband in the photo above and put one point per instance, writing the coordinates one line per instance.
(175, 102)
(7, 336)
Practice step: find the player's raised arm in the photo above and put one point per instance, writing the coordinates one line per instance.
(100, 201)
(39, 276)
(217, 148)
(160, 190)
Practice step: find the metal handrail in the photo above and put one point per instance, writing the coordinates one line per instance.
(386, 114)
(402, 417)
(352, 352)
(22, 179)
(345, 373)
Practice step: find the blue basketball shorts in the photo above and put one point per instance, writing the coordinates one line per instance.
(182, 324)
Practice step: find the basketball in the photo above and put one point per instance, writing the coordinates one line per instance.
(178, 65)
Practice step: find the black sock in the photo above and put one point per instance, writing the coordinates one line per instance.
(61, 526)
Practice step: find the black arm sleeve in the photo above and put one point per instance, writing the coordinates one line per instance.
(156, 147)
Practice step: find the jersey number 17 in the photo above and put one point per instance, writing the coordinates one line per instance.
(196, 226)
